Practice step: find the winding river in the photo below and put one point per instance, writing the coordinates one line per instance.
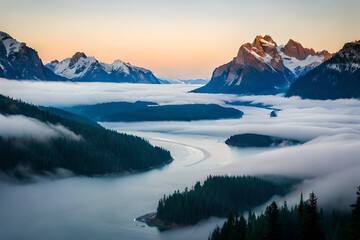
(105, 207)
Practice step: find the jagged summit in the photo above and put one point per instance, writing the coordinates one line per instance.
(264, 67)
(17, 61)
(77, 56)
(338, 77)
(83, 68)
(351, 51)
(296, 50)
(261, 54)
(4, 35)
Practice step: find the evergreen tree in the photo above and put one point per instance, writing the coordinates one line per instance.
(217, 196)
(240, 228)
(215, 235)
(353, 228)
(310, 227)
(273, 229)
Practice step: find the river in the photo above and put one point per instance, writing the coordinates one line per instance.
(105, 207)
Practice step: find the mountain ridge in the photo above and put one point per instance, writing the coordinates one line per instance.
(338, 77)
(20, 62)
(262, 67)
(81, 68)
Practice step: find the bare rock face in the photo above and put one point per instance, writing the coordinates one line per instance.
(296, 50)
(76, 57)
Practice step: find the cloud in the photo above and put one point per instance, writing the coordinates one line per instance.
(328, 161)
(19, 126)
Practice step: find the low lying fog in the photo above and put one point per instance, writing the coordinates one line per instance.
(329, 161)
(19, 126)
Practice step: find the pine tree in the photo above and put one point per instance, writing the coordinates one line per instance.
(353, 228)
(228, 227)
(215, 235)
(273, 228)
(310, 228)
(240, 228)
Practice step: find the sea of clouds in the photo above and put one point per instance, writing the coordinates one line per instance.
(329, 161)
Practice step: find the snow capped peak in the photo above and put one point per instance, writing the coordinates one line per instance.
(299, 59)
(116, 66)
(348, 58)
(351, 51)
(268, 40)
(11, 45)
(76, 57)
(83, 68)
(4, 35)
(75, 67)
(262, 55)
(296, 50)
(263, 42)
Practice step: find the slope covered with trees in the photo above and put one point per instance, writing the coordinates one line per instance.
(149, 111)
(97, 151)
(217, 197)
(304, 221)
(258, 140)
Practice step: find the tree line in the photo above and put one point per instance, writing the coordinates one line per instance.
(99, 151)
(302, 222)
(217, 196)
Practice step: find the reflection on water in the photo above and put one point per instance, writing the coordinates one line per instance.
(105, 208)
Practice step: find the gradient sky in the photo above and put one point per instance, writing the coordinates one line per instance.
(176, 39)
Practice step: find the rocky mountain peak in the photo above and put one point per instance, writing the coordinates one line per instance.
(77, 56)
(4, 35)
(261, 54)
(326, 54)
(265, 44)
(351, 51)
(336, 78)
(296, 50)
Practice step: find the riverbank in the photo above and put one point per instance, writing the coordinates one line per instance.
(151, 220)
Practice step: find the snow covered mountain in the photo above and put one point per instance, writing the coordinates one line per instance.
(338, 77)
(17, 61)
(263, 67)
(82, 68)
(300, 60)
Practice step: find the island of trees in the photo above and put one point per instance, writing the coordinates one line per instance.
(149, 111)
(302, 222)
(217, 196)
(99, 151)
(258, 140)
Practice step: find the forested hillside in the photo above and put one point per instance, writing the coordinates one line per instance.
(95, 151)
(305, 221)
(218, 196)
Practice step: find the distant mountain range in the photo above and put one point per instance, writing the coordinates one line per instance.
(17, 61)
(81, 68)
(260, 67)
(263, 67)
(339, 77)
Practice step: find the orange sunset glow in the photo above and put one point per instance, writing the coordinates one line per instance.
(175, 39)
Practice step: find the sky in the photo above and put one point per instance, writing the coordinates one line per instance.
(177, 39)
